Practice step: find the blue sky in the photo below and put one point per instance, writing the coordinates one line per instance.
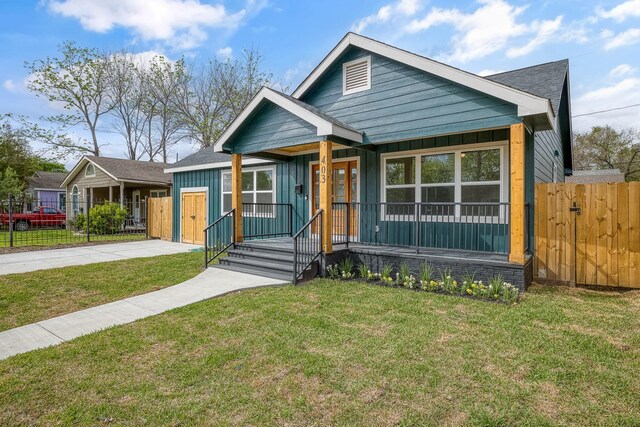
(600, 38)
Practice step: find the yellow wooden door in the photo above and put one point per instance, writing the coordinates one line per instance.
(194, 216)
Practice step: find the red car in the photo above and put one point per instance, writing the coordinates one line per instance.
(43, 217)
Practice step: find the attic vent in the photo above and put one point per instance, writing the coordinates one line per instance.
(356, 75)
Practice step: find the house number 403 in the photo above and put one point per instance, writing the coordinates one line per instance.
(323, 170)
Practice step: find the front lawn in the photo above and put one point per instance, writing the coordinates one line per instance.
(344, 353)
(30, 297)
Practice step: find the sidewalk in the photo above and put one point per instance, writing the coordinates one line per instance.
(23, 262)
(211, 283)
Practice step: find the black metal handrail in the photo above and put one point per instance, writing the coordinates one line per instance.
(307, 245)
(482, 227)
(261, 220)
(222, 234)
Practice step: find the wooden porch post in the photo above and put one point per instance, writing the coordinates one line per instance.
(516, 220)
(326, 175)
(122, 194)
(236, 194)
(110, 194)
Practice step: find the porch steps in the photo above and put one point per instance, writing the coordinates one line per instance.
(261, 259)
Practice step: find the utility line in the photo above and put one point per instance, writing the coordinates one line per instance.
(606, 111)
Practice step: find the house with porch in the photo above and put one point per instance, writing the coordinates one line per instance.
(382, 155)
(128, 182)
(44, 189)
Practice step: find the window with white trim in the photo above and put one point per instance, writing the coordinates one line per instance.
(257, 187)
(442, 178)
(356, 75)
(90, 170)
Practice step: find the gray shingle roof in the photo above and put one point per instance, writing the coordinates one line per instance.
(47, 179)
(133, 170)
(202, 157)
(594, 176)
(544, 80)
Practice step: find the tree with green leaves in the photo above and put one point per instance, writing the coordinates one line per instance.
(77, 80)
(607, 148)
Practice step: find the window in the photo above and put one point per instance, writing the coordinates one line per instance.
(75, 199)
(257, 187)
(90, 170)
(62, 202)
(356, 75)
(442, 181)
(158, 193)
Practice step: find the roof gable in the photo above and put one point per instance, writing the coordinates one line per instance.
(537, 108)
(124, 170)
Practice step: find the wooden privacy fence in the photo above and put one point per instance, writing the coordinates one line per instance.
(159, 218)
(588, 233)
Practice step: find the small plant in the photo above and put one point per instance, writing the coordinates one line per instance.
(404, 277)
(500, 290)
(363, 271)
(426, 275)
(496, 285)
(448, 283)
(346, 268)
(333, 271)
(385, 274)
(510, 293)
(468, 280)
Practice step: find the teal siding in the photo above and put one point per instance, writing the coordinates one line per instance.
(546, 144)
(209, 178)
(272, 127)
(529, 181)
(406, 103)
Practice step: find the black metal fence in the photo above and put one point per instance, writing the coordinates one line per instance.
(482, 227)
(50, 222)
(265, 220)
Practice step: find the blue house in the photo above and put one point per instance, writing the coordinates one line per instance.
(381, 155)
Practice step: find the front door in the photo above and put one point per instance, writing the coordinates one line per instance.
(136, 206)
(194, 217)
(344, 190)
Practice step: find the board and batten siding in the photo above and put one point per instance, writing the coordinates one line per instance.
(209, 178)
(406, 103)
(546, 143)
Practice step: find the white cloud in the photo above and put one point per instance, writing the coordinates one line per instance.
(10, 85)
(180, 23)
(621, 12)
(545, 31)
(388, 12)
(625, 38)
(488, 72)
(224, 53)
(620, 94)
(622, 70)
(488, 29)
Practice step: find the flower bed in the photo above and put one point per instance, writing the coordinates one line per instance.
(428, 280)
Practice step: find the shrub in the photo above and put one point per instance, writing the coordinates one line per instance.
(385, 274)
(107, 218)
(346, 268)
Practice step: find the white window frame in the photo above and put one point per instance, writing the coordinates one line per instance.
(162, 191)
(86, 171)
(366, 59)
(457, 150)
(255, 191)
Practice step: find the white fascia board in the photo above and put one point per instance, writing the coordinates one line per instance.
(219, 165)
(528, 104)
(323, 127)
(74, 171)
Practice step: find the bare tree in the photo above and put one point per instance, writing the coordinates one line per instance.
(606, 147)
(77, 80)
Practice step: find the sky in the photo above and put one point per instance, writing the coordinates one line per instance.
(601, 39)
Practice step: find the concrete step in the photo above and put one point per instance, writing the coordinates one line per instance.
(263, 255)
(261, 272)
(259, 264)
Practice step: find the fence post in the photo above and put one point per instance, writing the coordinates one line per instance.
(290, 220)
(88, 207)
(10, 220)
(146, 217)
(416, 213)
(348, 223)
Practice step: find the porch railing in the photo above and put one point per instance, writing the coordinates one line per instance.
(482, 227)
(218, 237)
(264, 220)
(307, 245)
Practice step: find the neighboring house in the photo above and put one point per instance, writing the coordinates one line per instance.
(44, 188)
(596, 176)
(98, 179)
(406, 158)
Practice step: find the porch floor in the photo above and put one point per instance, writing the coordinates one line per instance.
(399, 251)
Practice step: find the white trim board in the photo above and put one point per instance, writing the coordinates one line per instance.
(323, 126)
(76, 169)
(219, 165)
(528, 104)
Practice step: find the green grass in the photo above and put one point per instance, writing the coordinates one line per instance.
(48, 237)
(336, 353)
(30, 297)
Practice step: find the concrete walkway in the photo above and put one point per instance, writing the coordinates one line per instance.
(23, 262)
(211, 283)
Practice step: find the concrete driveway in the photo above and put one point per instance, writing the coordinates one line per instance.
(23, 262)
